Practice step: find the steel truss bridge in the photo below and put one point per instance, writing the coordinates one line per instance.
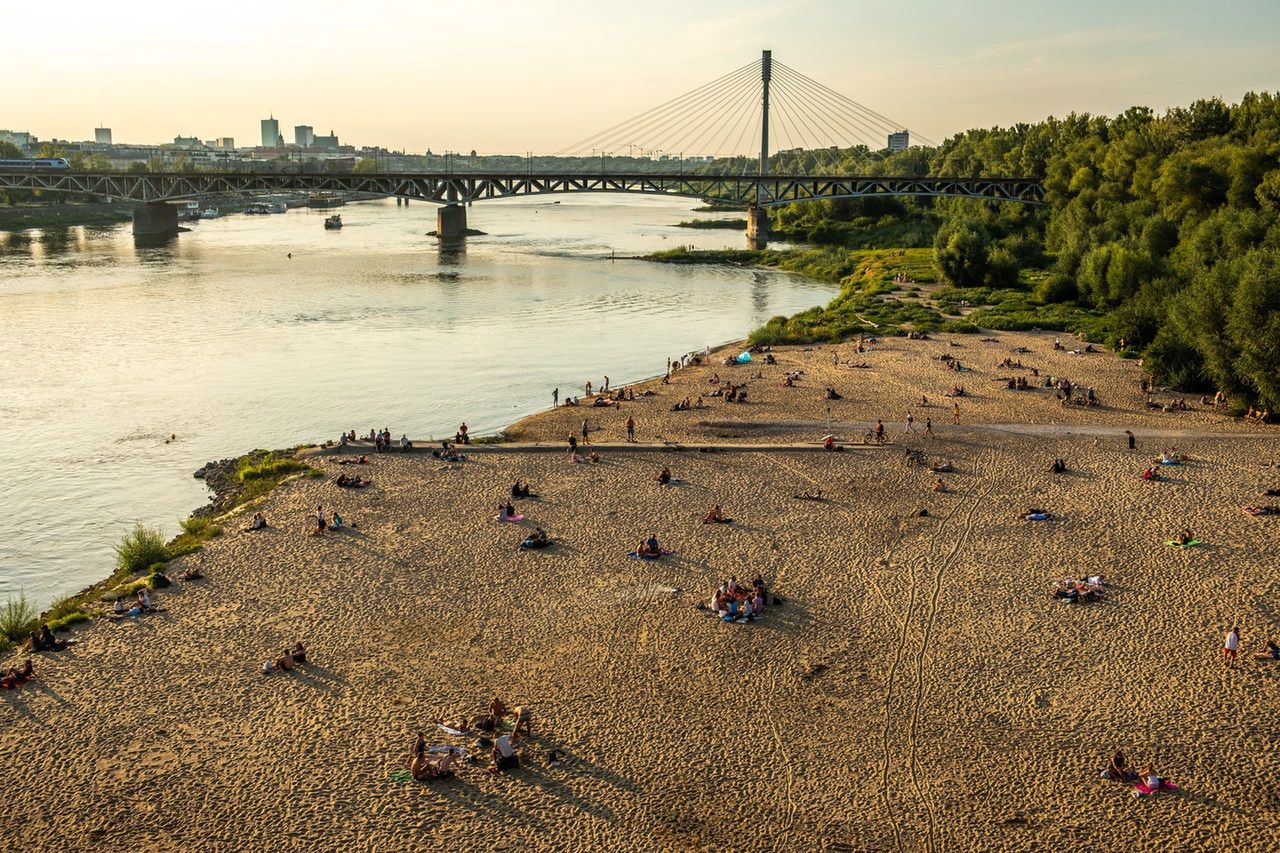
(448, 189)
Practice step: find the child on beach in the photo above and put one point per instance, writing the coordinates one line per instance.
(321, 522)
(1231, 646)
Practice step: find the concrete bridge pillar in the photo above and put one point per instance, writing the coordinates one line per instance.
(157, 219)
(757, 227)
(451, 221)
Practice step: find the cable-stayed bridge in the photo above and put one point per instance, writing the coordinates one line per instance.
(689, 146)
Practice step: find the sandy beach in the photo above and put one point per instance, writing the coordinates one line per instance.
(918, 688)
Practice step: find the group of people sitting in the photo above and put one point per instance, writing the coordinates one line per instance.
(715, 516)
(522, 490)
(733, 602)
(650, 549)
(323, 522)
(1152, 473)
(730, 392)
(956, 391)
(685, 406)
(1014, 383)
(507, 512)
(1185, 538)
(1258, 416)
(1073, 591)
(258, 522)
(832, 394)
(1059, 466)
(288, 661)
(347, 481)
(462, 436)
(1146, 782)
(44, 641)
(448, 452)
(142, 604)
(917, 336)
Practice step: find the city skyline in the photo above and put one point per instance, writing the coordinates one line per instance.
(934, 69)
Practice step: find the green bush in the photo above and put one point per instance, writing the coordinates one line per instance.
(267, 466)
(139, 548)
(62, 623)
(17, 618)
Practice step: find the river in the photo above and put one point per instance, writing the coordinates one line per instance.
(123, 368)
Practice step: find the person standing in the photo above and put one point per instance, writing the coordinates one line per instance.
(587, 386)
(1231, 645)
(631, 429)
(555, 398)
(586, 427)
(1129, 436)
(606, 383)
(928, 427)
(321, 521)
(573, 446)
(911, 423)
(955, 413)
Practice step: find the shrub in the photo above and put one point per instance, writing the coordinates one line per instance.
(267, 466)
(17, 618)
(140, 548)
(62, 623)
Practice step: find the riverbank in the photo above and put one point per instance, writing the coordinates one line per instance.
(915, 665)
(21, 217)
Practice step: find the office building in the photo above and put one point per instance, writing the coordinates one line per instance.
(900, 141)
(270, 132)
(102, 135)
(304, 136)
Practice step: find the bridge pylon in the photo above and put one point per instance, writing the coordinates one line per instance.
(757, 214)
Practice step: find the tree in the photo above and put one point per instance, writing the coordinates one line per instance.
(960, 253)
(9, 151)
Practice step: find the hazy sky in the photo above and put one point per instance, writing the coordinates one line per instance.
(506, 76)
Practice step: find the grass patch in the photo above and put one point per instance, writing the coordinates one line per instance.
(727, 224)
(497, 438)
(139, 548)
(17, 619)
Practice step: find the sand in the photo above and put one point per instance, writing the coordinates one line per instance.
(919, 689)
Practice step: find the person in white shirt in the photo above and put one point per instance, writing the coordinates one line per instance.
(503, 755)
(1231, 645)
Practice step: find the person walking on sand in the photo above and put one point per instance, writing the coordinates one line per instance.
(321, 521)
(631, 429)
(928, 427)
(555, 398)
(1231, 645)
(586, 428)
(1132, 442)
(955, 413)
(606, 383)
(911, 423)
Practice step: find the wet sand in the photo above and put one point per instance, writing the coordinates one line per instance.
(919, 689)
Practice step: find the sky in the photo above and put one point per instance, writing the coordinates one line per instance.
(501, 76)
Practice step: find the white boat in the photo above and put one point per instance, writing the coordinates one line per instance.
(209, 213)
(257, 208)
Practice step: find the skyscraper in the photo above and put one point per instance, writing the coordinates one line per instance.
(270, 132)
(102, 135)
(304, 136)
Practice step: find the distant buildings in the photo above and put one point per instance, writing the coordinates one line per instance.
(899, 141)
(270, 132)
(20, 138)
(329, 143)
(102, 135)
(187, 141)
(225, 143)
(304, 136)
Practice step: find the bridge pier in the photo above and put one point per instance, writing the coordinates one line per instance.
(158, 219)
(451, 221)
(757, 227)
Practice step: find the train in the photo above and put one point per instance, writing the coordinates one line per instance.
(44, 164)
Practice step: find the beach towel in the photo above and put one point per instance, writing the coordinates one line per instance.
(1170, 462)
(636, 556)
(450, 730)
(1193, 543)
(1142, 789)
(744, 358)
(1036, 516)
(401, 776)
(516, 517)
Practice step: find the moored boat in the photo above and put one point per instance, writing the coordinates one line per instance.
(333, 222)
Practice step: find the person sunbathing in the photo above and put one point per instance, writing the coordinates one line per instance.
(537, 539)
(941, 468)
(191, 574)
(1035, 514)
(1261, 510)
(664, 476)
(716, 516)
(17, 677)
(809, 495)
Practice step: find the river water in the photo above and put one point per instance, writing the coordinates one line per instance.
(222, 341)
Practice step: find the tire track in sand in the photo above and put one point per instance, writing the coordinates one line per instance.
(927, 634)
